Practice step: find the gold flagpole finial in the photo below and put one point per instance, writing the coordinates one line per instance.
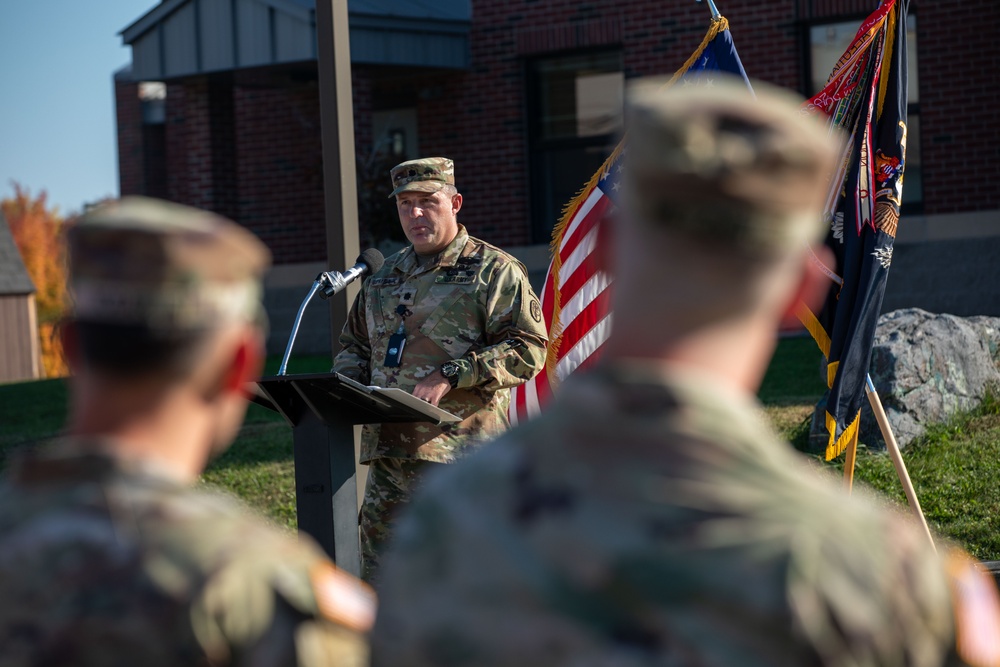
(715, 10)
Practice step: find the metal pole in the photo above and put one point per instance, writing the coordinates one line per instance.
(333, 53)
(337, 127)
(849, 463)
(713, 8)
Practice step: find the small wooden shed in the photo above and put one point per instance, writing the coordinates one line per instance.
(19, 353)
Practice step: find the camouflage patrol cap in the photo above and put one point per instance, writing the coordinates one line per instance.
(722, 164)
(427, 174)
(140, 261)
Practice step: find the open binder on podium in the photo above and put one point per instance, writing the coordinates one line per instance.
(322, 410)
(335, 397)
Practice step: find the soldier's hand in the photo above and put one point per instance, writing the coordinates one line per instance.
(432, 388)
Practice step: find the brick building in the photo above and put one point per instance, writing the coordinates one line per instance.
(220, 109)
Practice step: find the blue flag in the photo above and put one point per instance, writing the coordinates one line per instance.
(719, 55)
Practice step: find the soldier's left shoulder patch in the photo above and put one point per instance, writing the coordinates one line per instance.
(536, 310)
(343, 599)
(977, 611)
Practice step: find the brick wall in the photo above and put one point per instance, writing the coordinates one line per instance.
(960, 104)
(253, 152)
(131, 157)
(280, 169)
(176, 127)
(478, 117)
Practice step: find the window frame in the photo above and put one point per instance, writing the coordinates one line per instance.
(544, 212)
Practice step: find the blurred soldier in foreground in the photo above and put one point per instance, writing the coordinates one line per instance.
(109, 555)
(651, 516)
(450, 319)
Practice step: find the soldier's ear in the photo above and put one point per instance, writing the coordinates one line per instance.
(456, 203)
(237, 361)
(813, 286)
(246, 362)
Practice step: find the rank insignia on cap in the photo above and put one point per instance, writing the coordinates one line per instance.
(428, 174)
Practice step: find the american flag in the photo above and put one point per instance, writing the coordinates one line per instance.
(575, 293)
(575, 298)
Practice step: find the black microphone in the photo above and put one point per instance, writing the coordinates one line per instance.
(331, 282)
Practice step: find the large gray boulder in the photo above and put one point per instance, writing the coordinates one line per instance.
(925, 367)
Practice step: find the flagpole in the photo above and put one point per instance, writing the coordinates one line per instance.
(715, 10)
(897, 457)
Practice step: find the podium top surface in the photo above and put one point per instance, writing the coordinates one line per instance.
(337, 399)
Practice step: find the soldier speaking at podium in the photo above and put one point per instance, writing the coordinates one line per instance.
(449, 318)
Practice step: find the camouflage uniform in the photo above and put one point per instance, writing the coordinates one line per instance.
(650, 516)
(108, 558)
(107, 563)
(471, 304)
(654, 519)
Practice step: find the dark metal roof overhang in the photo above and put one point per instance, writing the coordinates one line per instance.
(181, 38)
(14, 278)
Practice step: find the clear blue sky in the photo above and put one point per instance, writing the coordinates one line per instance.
(57, 109)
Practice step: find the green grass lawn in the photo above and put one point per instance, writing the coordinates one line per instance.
(955, 468)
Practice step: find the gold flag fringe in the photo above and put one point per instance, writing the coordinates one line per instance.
(836, 447)
(555, 329)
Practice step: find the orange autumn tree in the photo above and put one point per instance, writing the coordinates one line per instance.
(37, 231)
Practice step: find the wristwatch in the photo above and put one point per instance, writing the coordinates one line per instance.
(450, 370)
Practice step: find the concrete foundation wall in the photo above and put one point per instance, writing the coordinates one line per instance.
(959, 277)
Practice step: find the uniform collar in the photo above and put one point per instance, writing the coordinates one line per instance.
(74, 460)
(639, 387)
(446, 258)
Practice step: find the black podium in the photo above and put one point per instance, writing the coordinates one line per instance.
(322, 409)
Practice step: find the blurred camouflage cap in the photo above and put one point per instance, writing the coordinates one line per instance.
(745, 170)
(140, 261)
(428, 174)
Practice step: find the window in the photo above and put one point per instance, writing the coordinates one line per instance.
(394, 132)
(153, 96)
(827, 43)
(576, 104)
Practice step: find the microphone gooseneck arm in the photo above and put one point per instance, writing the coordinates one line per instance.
(329, 283)
(295, 327)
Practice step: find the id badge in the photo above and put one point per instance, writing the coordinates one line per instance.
(394, 354)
